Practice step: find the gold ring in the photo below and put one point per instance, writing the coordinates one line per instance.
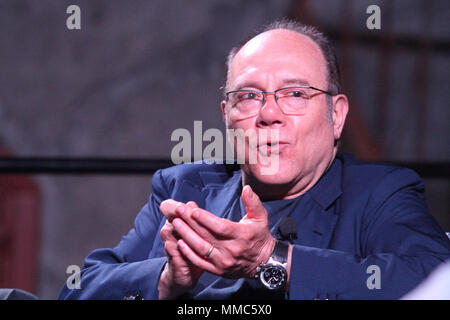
(209, 252)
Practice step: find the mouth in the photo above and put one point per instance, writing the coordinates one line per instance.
(271, 143)
(272, 146)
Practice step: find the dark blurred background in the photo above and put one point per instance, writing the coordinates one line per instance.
(138, 70)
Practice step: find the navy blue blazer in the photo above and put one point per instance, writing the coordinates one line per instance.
(357, 216)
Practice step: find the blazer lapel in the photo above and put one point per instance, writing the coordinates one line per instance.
(320, 210)
(216, 194)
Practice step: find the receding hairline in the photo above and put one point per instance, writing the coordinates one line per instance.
(313, 34)
(282, 32)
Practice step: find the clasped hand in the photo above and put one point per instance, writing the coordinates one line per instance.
(196, 240)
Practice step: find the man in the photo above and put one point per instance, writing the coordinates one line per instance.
(209, 231)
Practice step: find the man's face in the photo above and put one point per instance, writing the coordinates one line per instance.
(274, 60)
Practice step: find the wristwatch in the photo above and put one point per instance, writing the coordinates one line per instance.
(273, 274)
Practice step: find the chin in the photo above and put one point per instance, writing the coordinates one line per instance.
(273, 174)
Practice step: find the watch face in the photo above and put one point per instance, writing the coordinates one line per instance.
(273, 276)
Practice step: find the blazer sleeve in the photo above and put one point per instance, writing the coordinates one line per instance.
(126, 271)
(400, 241)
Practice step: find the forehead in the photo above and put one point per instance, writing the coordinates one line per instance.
(277, 55)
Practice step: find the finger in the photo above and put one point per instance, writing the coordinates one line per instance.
(171, 249)
(195, 259)
(168, 233)
(218, 226)
(253, 205)
(192, 204)
(197, 243)
(171, 208)
(187, 217)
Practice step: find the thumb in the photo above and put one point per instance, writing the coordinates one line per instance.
(253, 205)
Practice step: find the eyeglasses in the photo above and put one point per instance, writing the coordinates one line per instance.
(291, 100)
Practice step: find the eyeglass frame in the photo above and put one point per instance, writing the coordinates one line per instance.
(264, 93)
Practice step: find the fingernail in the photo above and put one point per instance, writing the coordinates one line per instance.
(181, 243)
(250, 192)
(191, 204)
(195, 214)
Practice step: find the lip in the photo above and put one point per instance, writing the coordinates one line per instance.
(272, 146)
(269, 143)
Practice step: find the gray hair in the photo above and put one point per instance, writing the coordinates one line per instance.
(325, 46)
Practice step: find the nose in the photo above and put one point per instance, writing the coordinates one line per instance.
(270, 113)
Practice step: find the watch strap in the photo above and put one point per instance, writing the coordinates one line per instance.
(280, 252)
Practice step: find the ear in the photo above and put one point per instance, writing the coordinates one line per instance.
(223, 105)
(339, 113)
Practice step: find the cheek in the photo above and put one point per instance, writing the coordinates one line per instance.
(238, 133)
(233, 124)
(313, 137)
(231, 121)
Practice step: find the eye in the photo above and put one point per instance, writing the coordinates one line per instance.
(247, 96)
(296, 94)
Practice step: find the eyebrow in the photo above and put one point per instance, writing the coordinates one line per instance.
(301, 82)
(245, 84)
(291, 81)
